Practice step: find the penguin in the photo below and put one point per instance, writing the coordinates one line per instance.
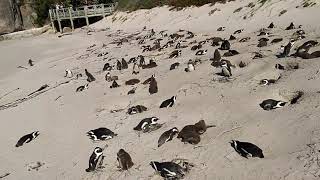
(271, 25)
(238, 31)
(110, 78)
(195, 47)
(221, 28)
(96, 156)
(114, 84)
(124, 64)
(225, 45)
(190, 35)
(265, 82)
(276, 40)
(244, 39)
(78, 76)
(151, 64)
(167, 136)
(305, 47)
(226, 69)
(257, 55)
(141, 60)
(81, 88)
(169, 102)
(132, 82)
(242, 64)
(175, 54)
(119, 65)
(90, 77)
(201, 52)
(174, 66)
(68, 74)
(286, 49)
(153, 85)
(136, 109)
(168, 170)
(191, 133)
(230, 53)
(132, 91)
(263, 33)
(246, 149)
(178, 45)
(124, 160)
(135, 68)
(145, 123)
(107, 67)
(101, 134)
(279, 66)
(30, 62)
(27, 138)
(231, 38)
(190, 66)
(215, 41)
(270, 104)
(290, 27)
(216, 56)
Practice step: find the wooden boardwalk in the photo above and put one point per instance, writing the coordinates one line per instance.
(80, 12)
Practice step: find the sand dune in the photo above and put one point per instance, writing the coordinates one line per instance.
(289, 136)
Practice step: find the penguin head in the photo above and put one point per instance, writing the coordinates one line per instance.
(35, 134)
(154, 120)
(205, 51)
(174, 98)
(233, 143)
(175, 130)
(121, 151)
(98, 150)
(280, 104)
(264, 82)
(224, 64)
(155, 165)
(86, 86)
(86, 70)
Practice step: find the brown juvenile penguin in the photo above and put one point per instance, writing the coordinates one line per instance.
(90, 77)
(124, 64)
(153, 86)
(124, 160)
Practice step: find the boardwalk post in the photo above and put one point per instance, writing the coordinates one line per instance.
(59, 23)
(86, 15)
(71, 20)
(51, 20)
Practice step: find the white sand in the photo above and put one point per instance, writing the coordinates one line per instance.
(64, 149)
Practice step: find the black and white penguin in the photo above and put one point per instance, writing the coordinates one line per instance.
(174, 66)
(124, 64)
(141, 60)
(119, 65)
(190, 66)
(175, 54)
(144, 123)
(231, 52)
(78, 76)
(226, 69)
(290, 27)
(271, 25)
(136, 109)
(168, 170)
(238, 31)
(101, 134)
(286, 49)
(270, 104)
(178, 46)
(201, 52)
(221, 29)
(169, 102)
(95, 158)
(114, 84)
(195, 47)
(231, 38)
(68, 74)
(279, 66)
(107, 67)
(135, 68)
(132, 91)
(153, 85)
(265, 82)
(124, 160)
(263, 33)
(167, 136)
(81, 88)
(30, 62)
(245, 39)
(225, 45)
(27, 138)
(246, 149)
(90, 77)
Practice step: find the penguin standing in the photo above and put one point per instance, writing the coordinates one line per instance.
(27, 138)
(216, 56)
(101, 134)
(286, 49)
(68, 74)
(145, 123)
(226, 70)
(153, 86)
(119, 65)
(168, 170)
(135, 68)
(124, 64)
(124, 160)
(270, 104)
(169, 102)
(225, 45)
(167, 136)
(290, 27)
(271, 25)
(246, 149)
(107, 67)
(95, 158)
(231, 38)
(90, 77)
(30, 62)
(190, 66)
(114, 84)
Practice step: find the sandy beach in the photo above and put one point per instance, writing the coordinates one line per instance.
(288, 136)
